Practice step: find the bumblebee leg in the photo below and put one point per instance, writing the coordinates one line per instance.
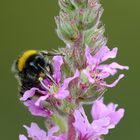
(51, 53)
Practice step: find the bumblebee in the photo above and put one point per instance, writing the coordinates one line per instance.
(32, 65)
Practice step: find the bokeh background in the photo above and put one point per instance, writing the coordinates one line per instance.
(29, 24)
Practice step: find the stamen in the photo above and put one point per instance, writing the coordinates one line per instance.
(42, 83)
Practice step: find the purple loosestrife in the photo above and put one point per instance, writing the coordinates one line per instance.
(53, 93)
(80, 77)
(35, 133)
(96, 71)
(105, 117)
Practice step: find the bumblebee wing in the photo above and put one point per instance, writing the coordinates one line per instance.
(14, 67)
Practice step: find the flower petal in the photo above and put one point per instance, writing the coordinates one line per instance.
(62, 94)
(28, 94)
(81, 123)
(98, 138)
(114, 83)
(37, 110)
(101, 55)
(111, 69)
(115, 65)
(68, 80)
(99, 110)
(31, 93)
(53, 130)
(110, 54)
(104, 53)
(100, 125)
(35, 132)
(116, 116)
(57, 62)
(89, 57)
(42, 98)
(22, 137)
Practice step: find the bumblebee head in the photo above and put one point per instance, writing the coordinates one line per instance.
(32, 64)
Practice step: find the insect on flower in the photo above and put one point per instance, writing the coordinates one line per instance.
(31, 66)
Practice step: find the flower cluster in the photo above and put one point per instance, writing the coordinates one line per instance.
(79, 77)
(96, 71)
(53, 93)
(60, 93)
(105, 117)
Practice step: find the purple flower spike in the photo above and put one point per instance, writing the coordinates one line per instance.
(35, 133)
(104, 117)
(97, 72)
(57, 84)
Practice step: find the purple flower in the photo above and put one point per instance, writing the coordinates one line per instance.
(105, 117)
(35, 133)
(97, 72)
(31, 104)
(58, 90)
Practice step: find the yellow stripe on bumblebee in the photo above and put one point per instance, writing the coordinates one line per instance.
(24, 57)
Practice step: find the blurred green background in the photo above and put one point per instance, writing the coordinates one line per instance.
(29, 24)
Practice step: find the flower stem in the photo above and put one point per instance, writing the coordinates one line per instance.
(71, 129)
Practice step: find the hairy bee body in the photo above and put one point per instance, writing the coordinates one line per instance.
(29, 67)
